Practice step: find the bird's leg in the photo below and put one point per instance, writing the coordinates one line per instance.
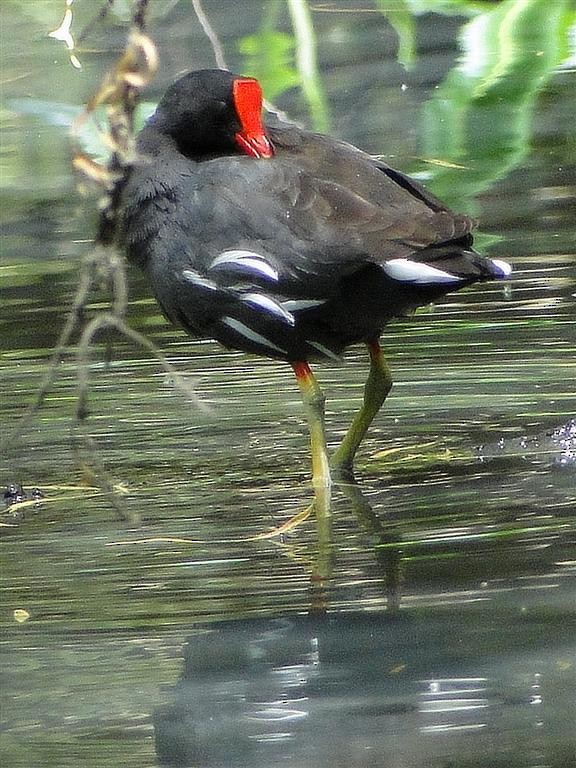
(377, 387)
(313, 400)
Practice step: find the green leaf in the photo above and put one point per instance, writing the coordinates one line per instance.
(402, 21)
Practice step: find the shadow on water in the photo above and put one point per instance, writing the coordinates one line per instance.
(446, 634)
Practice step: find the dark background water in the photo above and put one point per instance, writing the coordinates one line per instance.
(450, 633)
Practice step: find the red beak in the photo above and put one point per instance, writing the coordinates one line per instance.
(251, 138)
(254, 144)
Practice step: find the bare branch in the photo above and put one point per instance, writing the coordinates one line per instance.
(210, 34)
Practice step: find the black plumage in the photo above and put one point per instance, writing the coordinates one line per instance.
(321, 218)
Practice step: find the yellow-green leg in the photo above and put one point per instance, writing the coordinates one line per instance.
(313, 400)
(377, 387)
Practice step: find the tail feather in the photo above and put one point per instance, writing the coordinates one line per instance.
(445, 264)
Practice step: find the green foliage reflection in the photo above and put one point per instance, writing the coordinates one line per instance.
(480, 116)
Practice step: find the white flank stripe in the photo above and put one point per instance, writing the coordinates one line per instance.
(416, 272)
(265, 302)
(324, 350)
(201, 282)
(251, 335)
(245, 261)
(503, 266)
(293, 305)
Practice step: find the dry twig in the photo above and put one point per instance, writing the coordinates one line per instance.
(119, 94)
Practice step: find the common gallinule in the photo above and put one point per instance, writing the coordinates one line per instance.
(286, 243)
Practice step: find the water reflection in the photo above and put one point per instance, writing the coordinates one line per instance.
(372, 690)
(449, 639)
(554, 446)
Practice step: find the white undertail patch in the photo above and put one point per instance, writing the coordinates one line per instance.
(503, 267)
(407, 271)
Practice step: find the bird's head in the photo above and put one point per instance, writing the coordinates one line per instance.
(214, 111)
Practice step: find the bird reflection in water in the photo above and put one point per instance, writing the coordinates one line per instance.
(366, 690)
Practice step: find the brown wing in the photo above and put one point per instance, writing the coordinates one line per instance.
(385, 213)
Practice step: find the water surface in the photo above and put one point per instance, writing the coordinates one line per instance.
(450, 625)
